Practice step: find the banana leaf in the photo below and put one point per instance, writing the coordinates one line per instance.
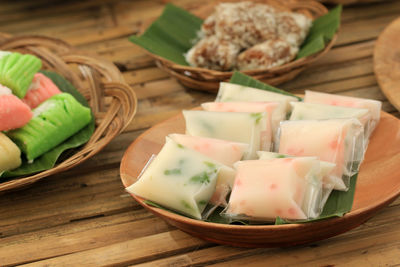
(175, 32)
(243, 79)
(49, 159)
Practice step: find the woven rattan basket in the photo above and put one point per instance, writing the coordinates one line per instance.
(208, 80)
(112, 101)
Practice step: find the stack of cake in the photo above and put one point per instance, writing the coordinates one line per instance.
(248, 36)
(241, 152)
(35, 116)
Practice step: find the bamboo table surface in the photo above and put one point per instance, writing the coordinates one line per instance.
(84, 217)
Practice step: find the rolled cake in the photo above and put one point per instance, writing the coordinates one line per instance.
(266, 55)
(293, 27)
(17, 71)
(10, 155)
(41, 89)
(56, 119)
(213, 53)
(13, 112)
(4, 53)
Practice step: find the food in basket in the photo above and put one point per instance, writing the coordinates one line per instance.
(316, 157)
(264, 36)
(268, 54)
(287, 187)
(188, 176)
(213, 53)
(339, 141)
(17, 71)
(9, 154)
(229, 126)
(4, 53)
(56, 119)
(41, 88)
(13, 112)
(58, 122)
(373, 106)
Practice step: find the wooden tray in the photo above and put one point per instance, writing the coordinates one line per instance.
(378, 184)
(208, 80)
(387, 62)
(112, 101)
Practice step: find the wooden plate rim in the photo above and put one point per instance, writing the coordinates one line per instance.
(368, 210)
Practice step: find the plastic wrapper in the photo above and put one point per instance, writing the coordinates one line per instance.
(243, 127)
(314, 111)
(284, 187)
(326, 169)
(225, 152)
(373, 106)
(229, 92)
(268, 107)
(180, 179)
(339, 141)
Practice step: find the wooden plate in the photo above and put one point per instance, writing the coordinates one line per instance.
(387, 62)
(378, 184)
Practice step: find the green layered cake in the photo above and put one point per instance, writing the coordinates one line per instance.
(17, 71)
(56, 119)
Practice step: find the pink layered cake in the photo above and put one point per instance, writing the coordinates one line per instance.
(41, 89)
(13, 112)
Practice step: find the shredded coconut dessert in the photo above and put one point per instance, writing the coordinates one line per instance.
(268, 54)
(248, 35)
(293, 27)
(213, 53)
(245, 23)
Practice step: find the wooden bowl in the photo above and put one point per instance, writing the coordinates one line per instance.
(208, 80)
(112, 101)
(378, 184)
(387, 62)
